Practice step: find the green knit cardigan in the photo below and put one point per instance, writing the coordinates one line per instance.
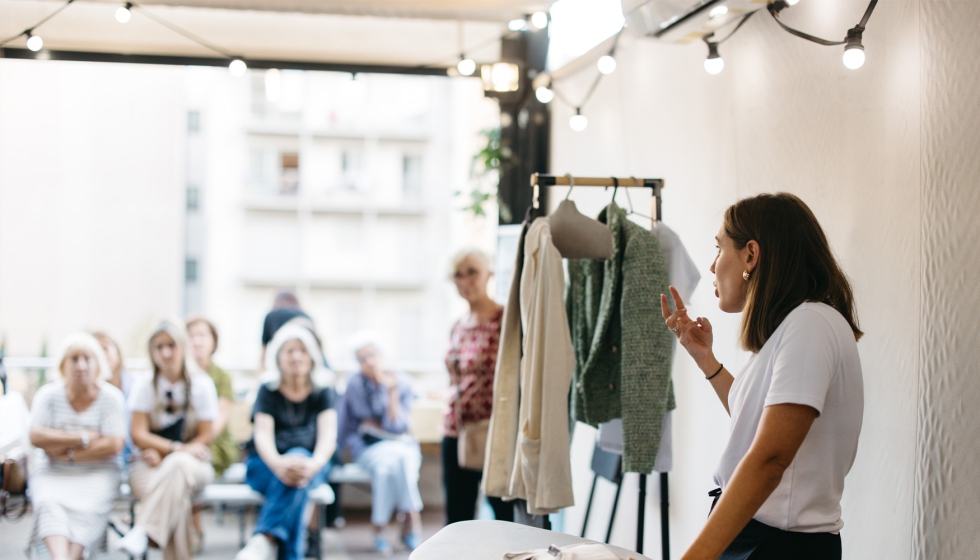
(623, 351)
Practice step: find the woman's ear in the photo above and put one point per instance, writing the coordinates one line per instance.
(751, 255)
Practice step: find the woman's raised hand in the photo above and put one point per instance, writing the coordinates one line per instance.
(694, 334)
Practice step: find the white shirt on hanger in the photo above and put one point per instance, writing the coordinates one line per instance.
(811, 359)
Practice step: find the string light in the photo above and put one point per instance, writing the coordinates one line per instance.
(854, 50)
(34, 42)
(714, 64)
(466, 66)
(791, 2)
(578, 122)
(539, 20)
(718, 11)
(517, 25)
(123, 15)
(544, 94)
(237, 68)
(607, 64)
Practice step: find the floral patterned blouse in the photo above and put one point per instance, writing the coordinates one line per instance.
(472, 360)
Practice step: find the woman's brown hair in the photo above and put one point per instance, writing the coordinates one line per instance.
(795, 264)
(207, 322)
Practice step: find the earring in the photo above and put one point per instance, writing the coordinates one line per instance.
(745, 275)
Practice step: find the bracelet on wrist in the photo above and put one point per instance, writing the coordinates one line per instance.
(715, 374)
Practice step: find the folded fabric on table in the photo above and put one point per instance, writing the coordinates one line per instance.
(583, 551)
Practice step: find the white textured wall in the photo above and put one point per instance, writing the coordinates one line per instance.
(886, 157)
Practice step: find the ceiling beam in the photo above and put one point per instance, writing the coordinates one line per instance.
(174, 60)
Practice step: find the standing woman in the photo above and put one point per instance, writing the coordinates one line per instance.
(471, 362)
(78, 429)
(204, 341)
(797, 406)
(172, 414)
(295, 436)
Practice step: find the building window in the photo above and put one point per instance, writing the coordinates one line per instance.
(193, 121)
(193, 199)
(350, 167)
(190, 271)
(289, 179)
(412, 177)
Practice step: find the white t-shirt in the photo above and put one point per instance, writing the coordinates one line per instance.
(811, 359)
(204, 398)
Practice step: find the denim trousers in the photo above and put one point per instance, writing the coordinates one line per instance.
(282, 514)
(394, 468)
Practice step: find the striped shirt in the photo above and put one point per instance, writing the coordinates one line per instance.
(106, 416)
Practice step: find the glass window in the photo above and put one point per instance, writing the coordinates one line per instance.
(412, 177)
(190, 271)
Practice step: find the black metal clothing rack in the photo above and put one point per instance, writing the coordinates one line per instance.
(544, 180)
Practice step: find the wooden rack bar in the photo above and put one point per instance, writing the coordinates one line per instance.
(546, 180)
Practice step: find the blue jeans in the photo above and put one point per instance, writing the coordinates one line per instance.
(282, 514)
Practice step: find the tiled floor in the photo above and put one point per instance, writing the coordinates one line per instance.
(353, 542)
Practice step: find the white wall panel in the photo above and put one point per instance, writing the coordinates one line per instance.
(886, 158)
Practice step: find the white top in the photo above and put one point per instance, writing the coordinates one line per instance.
(15, 423)
(51, 409)
(204, 398)
(811, 359)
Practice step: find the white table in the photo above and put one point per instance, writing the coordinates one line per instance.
(489, 540)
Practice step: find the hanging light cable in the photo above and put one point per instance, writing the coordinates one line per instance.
(29, 32)
(714, 64)
(853, 48)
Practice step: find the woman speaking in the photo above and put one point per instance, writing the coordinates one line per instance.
(797, 405)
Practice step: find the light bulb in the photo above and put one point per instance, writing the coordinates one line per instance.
(466, 67)
(791, 2)
(123, 15)
(539, 20)
(34, 42)
(607, 64)
(578, 122)
(718, 11)
(237, 67)
(714, 64)
(854, 56)
(544, 94)
(517, 25)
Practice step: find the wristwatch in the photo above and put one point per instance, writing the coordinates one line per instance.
(85, 440)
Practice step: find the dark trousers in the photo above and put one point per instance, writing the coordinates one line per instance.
(759, 541)
(462, 487)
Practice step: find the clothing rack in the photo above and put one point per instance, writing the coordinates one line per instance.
(539, 180)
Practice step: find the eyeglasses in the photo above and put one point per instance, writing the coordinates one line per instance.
(170, 408)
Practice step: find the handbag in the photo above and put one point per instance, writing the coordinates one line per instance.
(13, 487)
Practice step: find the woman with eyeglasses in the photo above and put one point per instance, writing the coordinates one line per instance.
(295, 435)
(172, 415)
(471, 362)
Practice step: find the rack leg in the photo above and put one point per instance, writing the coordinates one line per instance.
(612, 516)
(664, 518)
(641, 513)
(588, 507)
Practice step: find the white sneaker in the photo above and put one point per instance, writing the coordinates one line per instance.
(259, 547)
(135, 542)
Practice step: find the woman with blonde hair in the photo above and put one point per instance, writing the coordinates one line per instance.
(172, 414)
(294, 437)
(78, 428)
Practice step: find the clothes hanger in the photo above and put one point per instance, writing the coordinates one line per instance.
(577, 236)
(630, 202)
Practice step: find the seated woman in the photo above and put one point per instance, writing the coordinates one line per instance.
(172, 413)
(374, 429)
(204, 342)
(78, 428)
(295, 436)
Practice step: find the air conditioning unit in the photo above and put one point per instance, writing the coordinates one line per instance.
(683, 21)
